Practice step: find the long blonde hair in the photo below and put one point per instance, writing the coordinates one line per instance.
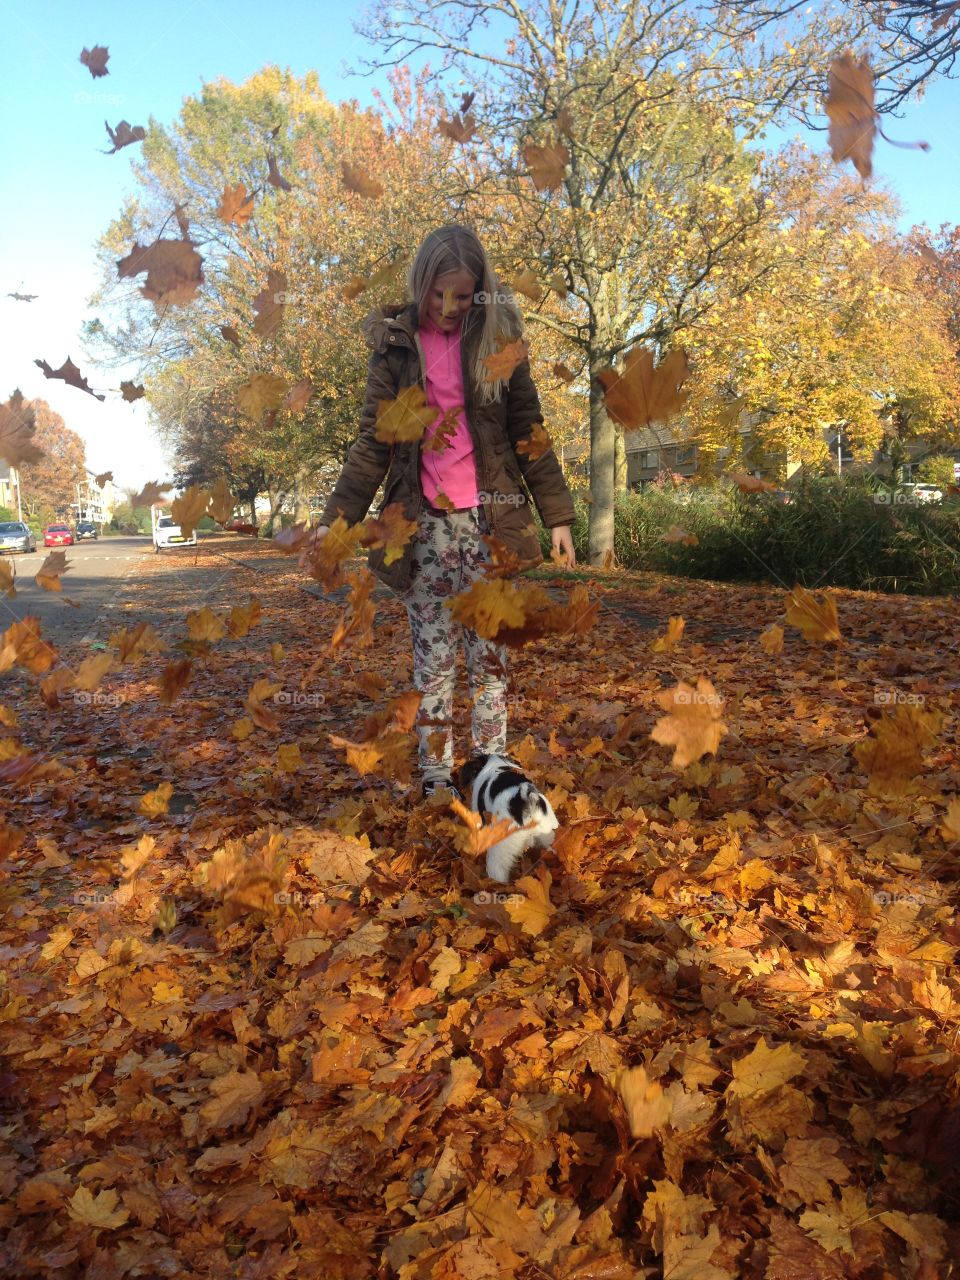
(496, 315)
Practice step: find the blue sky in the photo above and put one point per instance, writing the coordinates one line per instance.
(61, 191)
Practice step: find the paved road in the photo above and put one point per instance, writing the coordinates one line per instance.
(96, 571)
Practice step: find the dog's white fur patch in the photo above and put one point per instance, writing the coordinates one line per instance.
(502, 790)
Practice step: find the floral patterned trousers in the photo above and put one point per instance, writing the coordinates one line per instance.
(447, 559)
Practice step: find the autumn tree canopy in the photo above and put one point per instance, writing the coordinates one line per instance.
(49, 485)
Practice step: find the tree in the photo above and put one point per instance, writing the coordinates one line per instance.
(320, 235)
(841, 332)
(654, 195)
(938, 469)
(49, 486)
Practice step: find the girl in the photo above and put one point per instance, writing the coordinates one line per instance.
(476, 484)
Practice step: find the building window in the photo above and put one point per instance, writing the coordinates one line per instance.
(686, 455)
(649, 459)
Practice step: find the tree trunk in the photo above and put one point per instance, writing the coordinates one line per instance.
(603, 434)
(301, 495)
(276, 497)
(620, 463)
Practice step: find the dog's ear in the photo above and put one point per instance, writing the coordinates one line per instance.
(469, 772)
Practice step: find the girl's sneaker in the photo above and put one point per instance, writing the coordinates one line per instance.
(433, 785)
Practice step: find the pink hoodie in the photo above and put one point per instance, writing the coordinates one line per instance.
(453, 470)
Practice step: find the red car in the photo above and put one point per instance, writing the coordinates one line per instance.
(57, 535)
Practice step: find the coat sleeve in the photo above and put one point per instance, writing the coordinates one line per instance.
(369, 458)
(544, 477)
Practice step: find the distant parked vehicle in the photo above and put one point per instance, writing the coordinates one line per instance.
(87, 529)
(921, 492)
(16, 536)
(241, 526)
(168, 533)
(58, 535)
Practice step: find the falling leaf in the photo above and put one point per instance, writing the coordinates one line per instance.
(771, 640)
(892, 756)
(259, 394)
(814, 615)
(173, 267)
(641, 394)
(536, 444)
(298, 396)
(479, 836)
(488, 606)
(563, 373)
(190, 508)
(357, 179)
(228, 332)
(667, 643)
(547, 164)
(692, 726)
(17, 426)
(440, 433)
(501, 364)
(95, 60)
(154, 804)
(459, 130)
(123, 135)
(235, 205)
(681, 536)
(274, 176)
(48, 575)
(131, 391)
(174, 679)
(70, 374)
(340, 544)
(405, 418)
(853, 119)
(752, 484)
(527, 284)
(648, 1108)
(151, 494)
(260, 714)
(390, 530)
(269, 304)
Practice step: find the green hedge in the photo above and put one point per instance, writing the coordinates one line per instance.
(835, 532)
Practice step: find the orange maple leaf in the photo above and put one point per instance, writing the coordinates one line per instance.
(850, 107)
(641, 394)
(815, 616)
(501, 364)
(692, 726)
(536, 444)
(405, 418)
(390, 530)
(235, 205)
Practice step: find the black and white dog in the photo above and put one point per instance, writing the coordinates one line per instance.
(496, 787)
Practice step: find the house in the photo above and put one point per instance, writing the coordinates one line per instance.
(651, 452)
(8, 487)
(96, 502)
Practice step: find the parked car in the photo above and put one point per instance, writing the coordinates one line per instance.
(242, 526)
(87, 529)
(16, 536)
(169, 534)
(923, 492)
(57, 535)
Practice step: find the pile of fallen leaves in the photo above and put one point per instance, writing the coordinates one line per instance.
(264, 1016)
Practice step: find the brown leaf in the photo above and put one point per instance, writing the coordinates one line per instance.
(173, 267)
(17, 426)
(269, 304)
(692, 726)
(95, 60)
(235, 205)
(641, 394)
(123, 135)
(850, 106)
(70, 374)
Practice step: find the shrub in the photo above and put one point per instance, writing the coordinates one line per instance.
(843, 532)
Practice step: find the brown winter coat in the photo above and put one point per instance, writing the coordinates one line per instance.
(503, 475)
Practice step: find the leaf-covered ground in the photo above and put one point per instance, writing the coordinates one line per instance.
(286, 1027)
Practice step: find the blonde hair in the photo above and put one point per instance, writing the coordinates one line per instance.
(494, 312)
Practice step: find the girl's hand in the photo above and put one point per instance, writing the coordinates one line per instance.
(313, 541)
(562, 541)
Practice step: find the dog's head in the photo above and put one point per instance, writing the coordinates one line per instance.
(471, 769)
